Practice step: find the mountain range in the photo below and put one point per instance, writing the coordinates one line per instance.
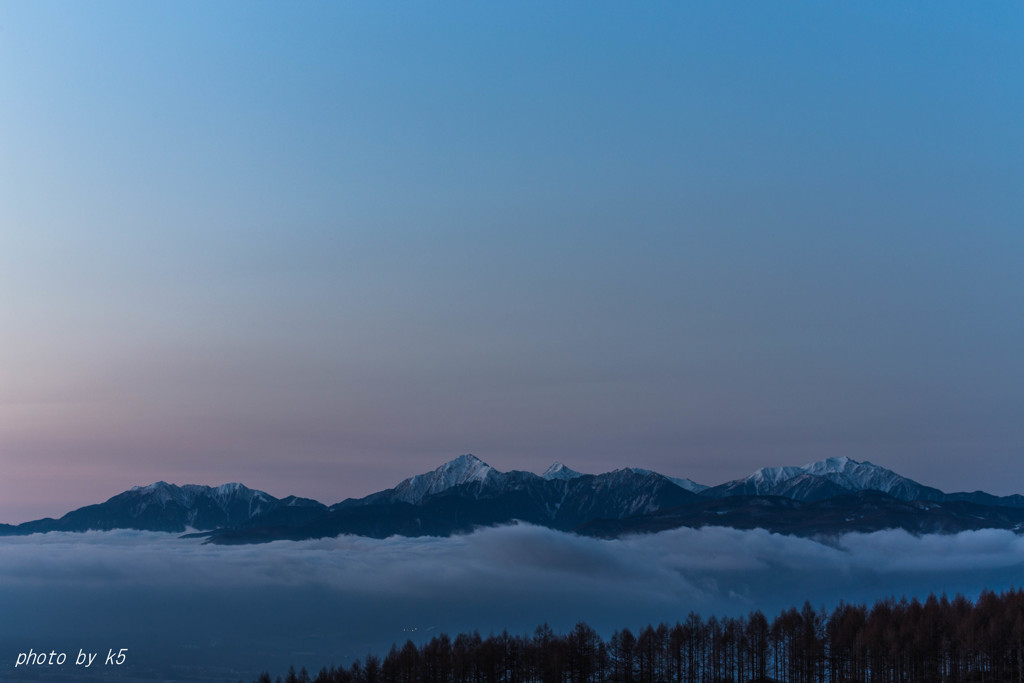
(831, 496)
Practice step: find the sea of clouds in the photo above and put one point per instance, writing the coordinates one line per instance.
(178, 602)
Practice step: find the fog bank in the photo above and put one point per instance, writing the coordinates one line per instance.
(175, 601)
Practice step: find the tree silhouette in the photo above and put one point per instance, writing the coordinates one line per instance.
(905, 641)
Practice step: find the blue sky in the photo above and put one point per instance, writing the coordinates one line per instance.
(320, 247)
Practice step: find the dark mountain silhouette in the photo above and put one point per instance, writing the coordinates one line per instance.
(831, 496)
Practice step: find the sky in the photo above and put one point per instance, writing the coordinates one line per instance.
(175, 602)
(320, 247)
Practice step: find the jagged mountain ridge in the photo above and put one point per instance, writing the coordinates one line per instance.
(498, 498)
(461, 494)
(560, 498)
(826, 479)
(633, 500)
(480, 479)
(167, 507)
(466, 492)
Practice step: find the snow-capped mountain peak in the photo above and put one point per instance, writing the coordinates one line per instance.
(860, 476)
(466, 492)
(188, 496)
(827, 478)
(767, 477)
(842, 465)
(462, 470)
(160, 493)
(560, 471)
(837, 464)
(151, 488)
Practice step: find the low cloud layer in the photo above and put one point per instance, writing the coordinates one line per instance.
(177, 601)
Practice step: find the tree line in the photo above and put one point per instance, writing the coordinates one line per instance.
(935, 641)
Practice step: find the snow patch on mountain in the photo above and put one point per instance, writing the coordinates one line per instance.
(857, 476)
(560, 471)
(687, 484)
(827, 478)
(188, 496)
(766, 479)
(462, 470)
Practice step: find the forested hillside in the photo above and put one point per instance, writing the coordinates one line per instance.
(939, 640)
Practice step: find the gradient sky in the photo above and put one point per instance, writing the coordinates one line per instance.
(319, 247)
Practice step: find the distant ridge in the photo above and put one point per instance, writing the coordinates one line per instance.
(166, 507)
(829, 496)
(825, 479)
